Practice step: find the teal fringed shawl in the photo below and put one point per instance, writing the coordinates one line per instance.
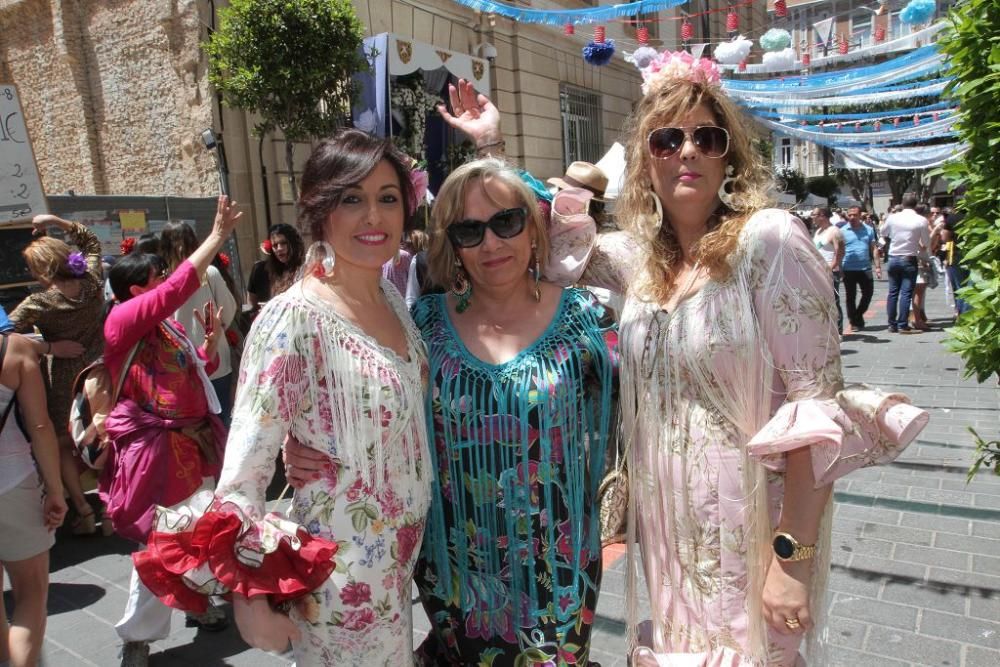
(519, 448)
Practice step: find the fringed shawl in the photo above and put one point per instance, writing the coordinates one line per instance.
(555, 398)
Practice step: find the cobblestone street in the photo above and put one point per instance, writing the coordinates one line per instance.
(916, 551)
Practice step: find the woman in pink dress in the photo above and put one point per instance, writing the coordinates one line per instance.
(733, 403)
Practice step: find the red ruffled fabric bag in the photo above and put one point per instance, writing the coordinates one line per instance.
(189, 558)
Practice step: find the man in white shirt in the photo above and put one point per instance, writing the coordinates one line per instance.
(910, 239)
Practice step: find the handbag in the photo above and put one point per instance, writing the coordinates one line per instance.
(612, 501)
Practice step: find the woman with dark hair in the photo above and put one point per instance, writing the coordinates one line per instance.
(272, 276)
(69, 309)
(177, 243)
(166, 437)
(336, 363)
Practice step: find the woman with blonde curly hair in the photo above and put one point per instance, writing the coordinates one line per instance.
(69, 314)
(733, 406)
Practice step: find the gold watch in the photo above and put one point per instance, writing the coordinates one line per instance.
(788, 549)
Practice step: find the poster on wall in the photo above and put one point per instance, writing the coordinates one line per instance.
(21, 194)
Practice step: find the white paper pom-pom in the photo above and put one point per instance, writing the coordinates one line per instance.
(779, 60)
(731, 53)
(641, 57)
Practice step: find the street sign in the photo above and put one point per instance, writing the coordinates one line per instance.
(21, 194)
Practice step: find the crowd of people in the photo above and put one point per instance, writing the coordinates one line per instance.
(446, 402)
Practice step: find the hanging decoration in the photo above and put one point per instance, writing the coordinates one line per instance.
(806, 59)
(733, 52)
(687, 31)
(642, 35)
(879, 34)
(558, 17)
(732, 21)
(779, 60)
(569, 29)
(904, 157)
(743, 65)
(600, 51)
(776, 39)
(918, 11)
(843, 46)
(780, 9)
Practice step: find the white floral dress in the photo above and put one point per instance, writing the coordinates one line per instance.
(714, 394)
(310, 373)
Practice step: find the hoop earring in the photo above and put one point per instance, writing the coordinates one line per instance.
(537, 291)
(324, 267)
(461, 287)
(727, 197)
(653, 228)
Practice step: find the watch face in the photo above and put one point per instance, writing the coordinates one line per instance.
(783, 547)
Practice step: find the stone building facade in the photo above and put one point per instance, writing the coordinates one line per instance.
(116, 93)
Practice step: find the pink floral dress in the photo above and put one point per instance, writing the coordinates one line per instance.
(714, 393)
(310, 373)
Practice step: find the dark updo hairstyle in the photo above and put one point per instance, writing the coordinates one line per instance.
(133, 269)
(341, 162)
(148, 244)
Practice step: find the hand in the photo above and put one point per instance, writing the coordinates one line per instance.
(226, 217)
(66, 349)
(210, 319)
(41, 223)
(54, 510)
(262, 627)
(472, 113)
(878, 272)
(302, 464)
(786, 596)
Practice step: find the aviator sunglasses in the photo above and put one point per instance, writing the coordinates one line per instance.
(505, 224)
(710, 140)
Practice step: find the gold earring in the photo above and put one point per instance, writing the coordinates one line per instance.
(537, 293)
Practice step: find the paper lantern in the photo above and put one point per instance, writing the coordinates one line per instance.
(839, 126)
(895, 122)
(599, 34)
(857, 127)
(600, 51)
(642, 35)
(806, 59)
(878, 125)
(569, 29)
(843, 47)
(822, 124)
(916, 120)
(937, 115)
(732, 21)
(743, 65)
(780, 8)
(687, 31)
(733, 51)
(879, 34)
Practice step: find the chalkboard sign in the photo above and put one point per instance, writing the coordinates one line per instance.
(21, 195)
(13, 268)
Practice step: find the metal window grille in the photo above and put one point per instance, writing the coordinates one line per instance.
(583, 126)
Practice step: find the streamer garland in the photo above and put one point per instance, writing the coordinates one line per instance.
(561, 17)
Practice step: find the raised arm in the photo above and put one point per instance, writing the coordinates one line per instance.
(80, 235)
(475, 115)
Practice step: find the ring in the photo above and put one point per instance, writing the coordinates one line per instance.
(792, 623)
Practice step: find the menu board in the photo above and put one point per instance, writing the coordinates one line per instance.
(21, 194)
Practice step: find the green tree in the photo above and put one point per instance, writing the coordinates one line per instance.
(900, 181)
(860, 183)
(793, 182)
(290, 62)
(972, 53)
(824, 186)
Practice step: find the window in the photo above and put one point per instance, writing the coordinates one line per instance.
(861, 29)
(786, 152)
(583, 135)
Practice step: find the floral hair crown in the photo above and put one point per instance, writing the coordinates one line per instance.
(672, 65)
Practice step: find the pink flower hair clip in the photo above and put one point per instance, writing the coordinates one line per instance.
(672, 65)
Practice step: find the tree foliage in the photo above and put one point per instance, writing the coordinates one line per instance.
(972, 52)
(289, 61)
(859, 181)
(824, 186)
(792, 181)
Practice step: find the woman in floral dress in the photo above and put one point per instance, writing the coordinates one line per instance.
(733, 403)
(336, 363)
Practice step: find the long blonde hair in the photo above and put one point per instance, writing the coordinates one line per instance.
(636, 210)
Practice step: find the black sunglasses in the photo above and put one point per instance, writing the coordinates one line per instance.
(710, 140)
(506, 224)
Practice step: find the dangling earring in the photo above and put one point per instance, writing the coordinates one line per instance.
(653, 229)
(728, 198)
(325, 266)
(461, 287)
(537, 292)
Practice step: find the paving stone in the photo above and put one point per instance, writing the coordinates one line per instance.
(935, 522)
(870, 514)
(875, 612)
(898, 534)
(960, 628)
(941, 497)
(976, 545)
(846, 633)
(919, 594)
(955, 560)
(913, 647)
(983, 529)
(981, 657)
(842, 657)
(986, 565)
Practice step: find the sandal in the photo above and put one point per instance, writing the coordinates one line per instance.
(84, 523)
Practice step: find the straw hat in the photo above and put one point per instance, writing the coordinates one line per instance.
(582, 175)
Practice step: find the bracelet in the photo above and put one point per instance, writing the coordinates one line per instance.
(502, 143)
